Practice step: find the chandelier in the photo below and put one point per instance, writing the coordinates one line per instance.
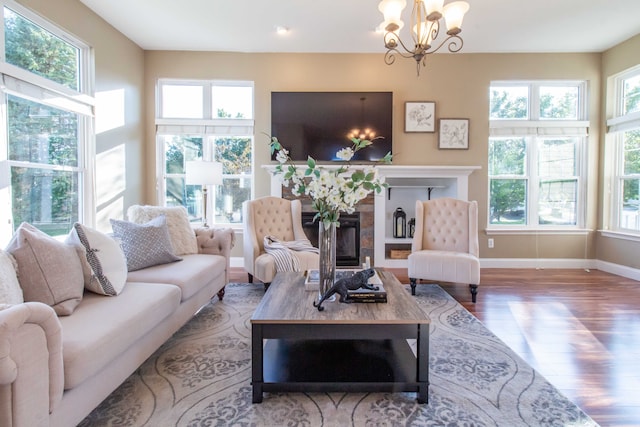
(426, 18)
(364, 132)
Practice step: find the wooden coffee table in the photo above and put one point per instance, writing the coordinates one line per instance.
(347, 347)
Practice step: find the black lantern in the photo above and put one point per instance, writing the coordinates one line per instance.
(399, 223)
(412, 227)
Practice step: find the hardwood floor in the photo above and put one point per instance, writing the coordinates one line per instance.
(579, 329)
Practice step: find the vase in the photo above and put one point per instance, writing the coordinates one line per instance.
(327, 261)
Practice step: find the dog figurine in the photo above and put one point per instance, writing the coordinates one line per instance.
(342, 286)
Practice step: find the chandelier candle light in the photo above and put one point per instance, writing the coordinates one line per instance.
(332, 190)
(426, 19)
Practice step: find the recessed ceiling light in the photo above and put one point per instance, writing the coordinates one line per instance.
(280, 29)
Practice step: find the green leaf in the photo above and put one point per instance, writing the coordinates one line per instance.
(370, 176)
(311, 162)
(357, 176)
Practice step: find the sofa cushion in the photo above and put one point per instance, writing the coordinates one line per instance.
(102, 328)
(145, 244)
(103, 262)
(49, 271)
(190, 275)
(10, 291)
(183, 238)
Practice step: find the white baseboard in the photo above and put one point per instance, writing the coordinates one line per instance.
(236, 261)
(620, 270)
(537, 263)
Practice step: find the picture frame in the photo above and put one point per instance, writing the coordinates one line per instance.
(453, 134)
(420, 116)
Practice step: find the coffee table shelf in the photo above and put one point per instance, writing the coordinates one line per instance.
(347, 347)
(339, 365)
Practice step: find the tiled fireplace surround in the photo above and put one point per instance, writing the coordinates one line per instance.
(406, 185)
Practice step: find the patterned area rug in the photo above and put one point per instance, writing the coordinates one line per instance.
(201, 377)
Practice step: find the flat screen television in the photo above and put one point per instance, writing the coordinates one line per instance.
(318, 124)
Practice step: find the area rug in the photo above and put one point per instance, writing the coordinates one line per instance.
(201, 377)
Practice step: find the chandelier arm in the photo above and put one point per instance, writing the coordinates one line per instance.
(397, 42)
(454, 43)
(390, 57)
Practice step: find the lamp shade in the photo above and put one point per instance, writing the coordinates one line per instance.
(203, 173)
(391, 10)
(5, 174)
(434, 8)
(453, 15)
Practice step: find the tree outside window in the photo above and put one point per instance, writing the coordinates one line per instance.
(44, 143)
(218, 117)
(534, 179)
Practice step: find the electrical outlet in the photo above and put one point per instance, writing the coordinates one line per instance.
(490, 243)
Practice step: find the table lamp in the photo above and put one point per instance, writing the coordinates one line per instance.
(203, 173)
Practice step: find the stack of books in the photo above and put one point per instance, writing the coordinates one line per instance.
(359, 295)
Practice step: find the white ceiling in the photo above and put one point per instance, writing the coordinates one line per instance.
(348, 25)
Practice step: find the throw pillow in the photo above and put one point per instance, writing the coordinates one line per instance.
(146, 244)
(183, 238)
(103, 262)
(10, 290)
(49, 271)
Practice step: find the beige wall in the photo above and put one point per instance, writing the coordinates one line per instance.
(459, 85)
(119, 73)
(616, 251)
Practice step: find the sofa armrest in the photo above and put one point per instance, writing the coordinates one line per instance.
(216, 241)
(31, 365)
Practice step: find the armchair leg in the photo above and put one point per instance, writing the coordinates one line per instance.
(221, 294)
(412, 282)
(266, 286)
(474, 292)
(250, 277)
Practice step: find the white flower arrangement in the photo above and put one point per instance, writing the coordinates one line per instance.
(331, 190)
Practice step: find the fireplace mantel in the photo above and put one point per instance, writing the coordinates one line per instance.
(406, 184)
(460, 173)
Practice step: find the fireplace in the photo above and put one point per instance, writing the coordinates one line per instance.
(347, 236)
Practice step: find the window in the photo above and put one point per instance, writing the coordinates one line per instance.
(536, 155)
(624, 132)
(205, 120)
(46, 124)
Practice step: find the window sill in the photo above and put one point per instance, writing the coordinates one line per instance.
(236, 227)
(577, 231)
(620, 235)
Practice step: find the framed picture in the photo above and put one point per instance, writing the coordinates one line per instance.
(454, 134)
(419, 116)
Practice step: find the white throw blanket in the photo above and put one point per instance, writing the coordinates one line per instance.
(283, 252)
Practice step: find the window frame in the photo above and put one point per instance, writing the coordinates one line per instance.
(535, 130)
(24, 84)
(209, 128)
(619, 123)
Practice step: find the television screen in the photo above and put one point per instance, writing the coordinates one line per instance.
(318, 124)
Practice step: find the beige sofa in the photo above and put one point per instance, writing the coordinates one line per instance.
(55, 370)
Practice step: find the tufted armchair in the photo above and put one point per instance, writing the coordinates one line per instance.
(445, 243)
(271, 216)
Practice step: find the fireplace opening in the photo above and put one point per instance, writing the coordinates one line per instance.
(347, 236)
